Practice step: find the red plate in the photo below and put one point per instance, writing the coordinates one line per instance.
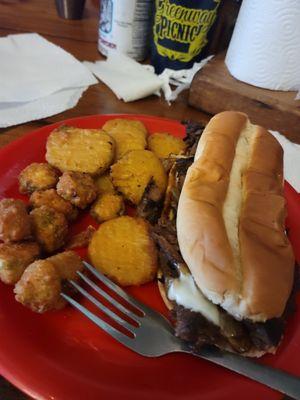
(63, 356)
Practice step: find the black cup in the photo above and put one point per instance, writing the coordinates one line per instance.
(70, 9)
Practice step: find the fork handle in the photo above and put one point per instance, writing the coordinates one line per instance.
(274, 378)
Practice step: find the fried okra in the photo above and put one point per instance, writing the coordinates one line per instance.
(14, 258)
(15, 223)
(51, 199)
(37, 176)
(107, 206)
(49, 227)
(42, 282)
(39, 287)
(67, 264)
(78, 188)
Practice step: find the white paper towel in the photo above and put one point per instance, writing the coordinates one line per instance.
(19, 113)
(291, 160)
(265, 47)
(128, 79)
(31, 67)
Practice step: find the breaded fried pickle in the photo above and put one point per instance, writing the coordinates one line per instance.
(164, 144)
(128, 135)
(81, 150)
(123, 250)
(107, 206)
(132, 173)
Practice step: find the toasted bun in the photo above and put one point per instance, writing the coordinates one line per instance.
(231, 219)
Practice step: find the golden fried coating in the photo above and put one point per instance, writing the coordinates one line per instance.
(104, 184)
(124, 251)
(66, 264)
(14, 258)
(51, 199)
(15, 224)
(132, 173)
(123, 124)
(49, 227)
(128, 135)
(39, 287)
(81, 239)
(164, 144)
(37, 176)
(78, 188)
(81, 150)
(107, 206)
(42, 282)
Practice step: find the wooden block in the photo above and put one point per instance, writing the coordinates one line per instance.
(214, 90)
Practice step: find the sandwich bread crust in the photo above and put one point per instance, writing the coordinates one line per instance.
(230, 219)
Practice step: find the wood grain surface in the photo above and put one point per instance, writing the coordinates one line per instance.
(80, 39)
(214, 90)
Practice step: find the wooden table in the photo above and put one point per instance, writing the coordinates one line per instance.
(80, 39)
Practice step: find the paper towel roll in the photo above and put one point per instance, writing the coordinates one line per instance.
(265, 47)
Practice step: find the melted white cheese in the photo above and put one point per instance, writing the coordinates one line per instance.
(184, 292)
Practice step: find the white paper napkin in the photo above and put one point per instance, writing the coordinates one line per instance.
(131, 81)
(38, 79)
(31, 67)
(128, 79)
(291, 160)
(19, 113)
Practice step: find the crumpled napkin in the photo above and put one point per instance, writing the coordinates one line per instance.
(291, 160)
(37, 79)
(130, 80)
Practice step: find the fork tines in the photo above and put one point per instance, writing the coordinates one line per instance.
(136, 317)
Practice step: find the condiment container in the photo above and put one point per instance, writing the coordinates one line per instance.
(124, 26)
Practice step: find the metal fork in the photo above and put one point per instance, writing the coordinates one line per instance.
(153, 335)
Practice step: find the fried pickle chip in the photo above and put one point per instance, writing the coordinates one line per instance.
(81, 150)
(124, 251)
(104, 184)
(50, 228)
(51, 199)
(128, 135)
(37, 176)
(132, 173)
(78, 188)
(164, 144)
(107, 206)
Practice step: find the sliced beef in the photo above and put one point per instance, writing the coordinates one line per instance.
(193, 133)
(151, 204)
